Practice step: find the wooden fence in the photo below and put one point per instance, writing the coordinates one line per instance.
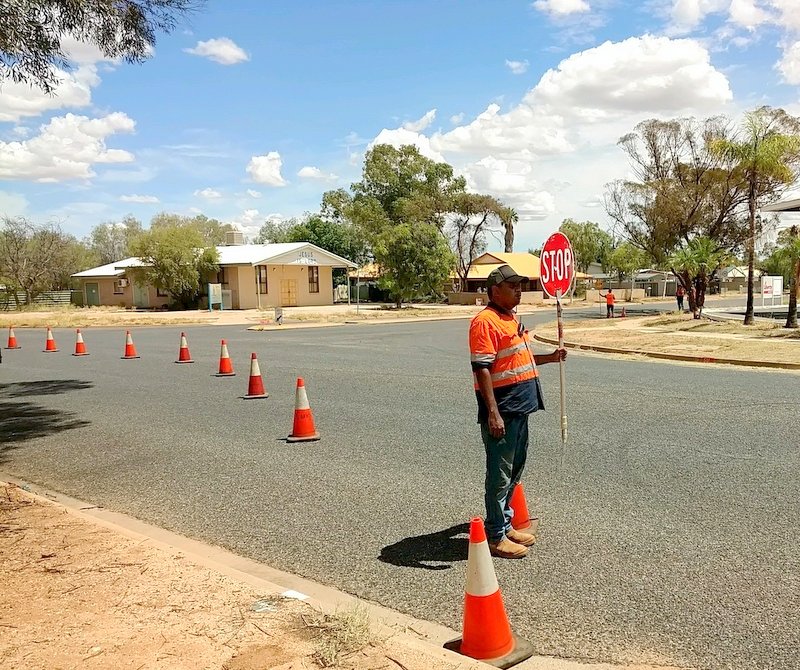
(46, 299)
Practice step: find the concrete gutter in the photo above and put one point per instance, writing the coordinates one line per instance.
(672, 357)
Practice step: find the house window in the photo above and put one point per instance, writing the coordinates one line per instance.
(161, 293)
(313, 279)
(118, 289)
(222, 276)
(262, 278)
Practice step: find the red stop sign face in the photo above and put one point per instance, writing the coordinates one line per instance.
(557, 265)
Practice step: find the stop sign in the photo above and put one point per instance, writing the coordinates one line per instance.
(557, 265)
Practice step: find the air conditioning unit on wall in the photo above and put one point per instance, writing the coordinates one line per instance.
(122, 283)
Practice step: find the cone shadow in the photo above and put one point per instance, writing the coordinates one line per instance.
(429, 551)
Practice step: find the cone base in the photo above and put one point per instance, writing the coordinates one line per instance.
(86, 353)
(189, 361)
(521, 651)
(224, 374)
(129, 358)
(13, 347)
(253, 397)
(306, 438)
(531, 527)
(50, 351)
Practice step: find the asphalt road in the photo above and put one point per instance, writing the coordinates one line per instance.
(669, 535)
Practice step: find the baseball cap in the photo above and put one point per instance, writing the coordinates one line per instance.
(501, 274)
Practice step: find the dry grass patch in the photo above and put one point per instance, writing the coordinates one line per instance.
(339, 635)
(84, 317)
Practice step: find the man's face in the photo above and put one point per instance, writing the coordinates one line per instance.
(507, 294)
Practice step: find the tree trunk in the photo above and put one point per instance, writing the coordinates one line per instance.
(751, 256)
(509, 237)
(794, 289)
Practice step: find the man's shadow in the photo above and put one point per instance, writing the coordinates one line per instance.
(429, 551)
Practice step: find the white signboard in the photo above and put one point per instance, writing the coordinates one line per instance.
(214, 296)
(772, 289)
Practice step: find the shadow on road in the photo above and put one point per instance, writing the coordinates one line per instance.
(21, 421)
(429, 551)
(45, 387)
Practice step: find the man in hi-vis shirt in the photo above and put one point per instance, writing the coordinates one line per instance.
(507, 389)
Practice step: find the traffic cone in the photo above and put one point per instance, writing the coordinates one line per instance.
(130, 350)
(50, 344)
(255, 387)
(303, 429)
(225, 364)
(520, 519)
(12, 339)
(80, 347)
(486, 634)
(183, 353)
(622, 314)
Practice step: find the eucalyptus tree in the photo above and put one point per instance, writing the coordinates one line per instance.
(694, 264)
(766, 156)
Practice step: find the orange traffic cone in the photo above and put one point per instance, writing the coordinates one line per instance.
(486, 634)
(521, 520)
(50, 344)
(183, 352)
(12, 339)
(225, 364)
(303, 429)
(255, 387)
(130, 350)
(80, 347)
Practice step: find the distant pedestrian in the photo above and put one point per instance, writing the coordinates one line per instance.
(609, 303)
(679, 293)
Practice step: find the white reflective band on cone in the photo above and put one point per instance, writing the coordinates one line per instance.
(224, 353)
(301, 399)
(481, 579)
(129, 339)
(183, 342)
(255, 371)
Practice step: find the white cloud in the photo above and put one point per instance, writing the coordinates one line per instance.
(221, 50)
(13, 204)
(562, 7)
(457, 118)
(688, 14)
(309, 172)
(422, 123)
(253, 193)
(638, 75)
(400, 136)
(74, 90)
(66, 148)
(789, 65)
(143, 199)
(266, 169)
(21, 131)
(208, 194)
(517, 66)
(745, 13)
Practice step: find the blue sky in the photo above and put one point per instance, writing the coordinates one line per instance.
(252, 109)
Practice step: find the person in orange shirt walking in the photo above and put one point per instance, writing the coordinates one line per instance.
(507, 390)
(610, 298)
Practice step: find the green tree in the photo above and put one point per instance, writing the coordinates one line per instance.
(32, 257)
(32, 31)
(211, 230)
(693, 265)
(342, 239)
(112, 241)
(275, 232)
(589, 242)
(415, 259)
(626, 259)
(766, 154)
(785, 261)
(472, 218)
(508, 219)
(176, 259)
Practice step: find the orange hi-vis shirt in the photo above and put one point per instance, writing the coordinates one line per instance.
(610, 298)
(497, 341)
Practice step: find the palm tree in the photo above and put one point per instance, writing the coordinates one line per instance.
(508, 219)
(694, 264)
(767, 155)
(791, 255)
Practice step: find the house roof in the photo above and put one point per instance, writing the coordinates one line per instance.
(116, 269)
(291, 253)
(784, 206)
(524, 264)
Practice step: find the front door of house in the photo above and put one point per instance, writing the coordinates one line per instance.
(288, 293)
(140, 296)
(93, 294)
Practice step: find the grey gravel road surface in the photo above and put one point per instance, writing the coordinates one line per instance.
(669, 535)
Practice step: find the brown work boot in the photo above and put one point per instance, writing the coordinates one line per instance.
(525, 539)
(505, 548)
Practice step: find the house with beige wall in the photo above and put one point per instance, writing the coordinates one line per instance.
(252, 276)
